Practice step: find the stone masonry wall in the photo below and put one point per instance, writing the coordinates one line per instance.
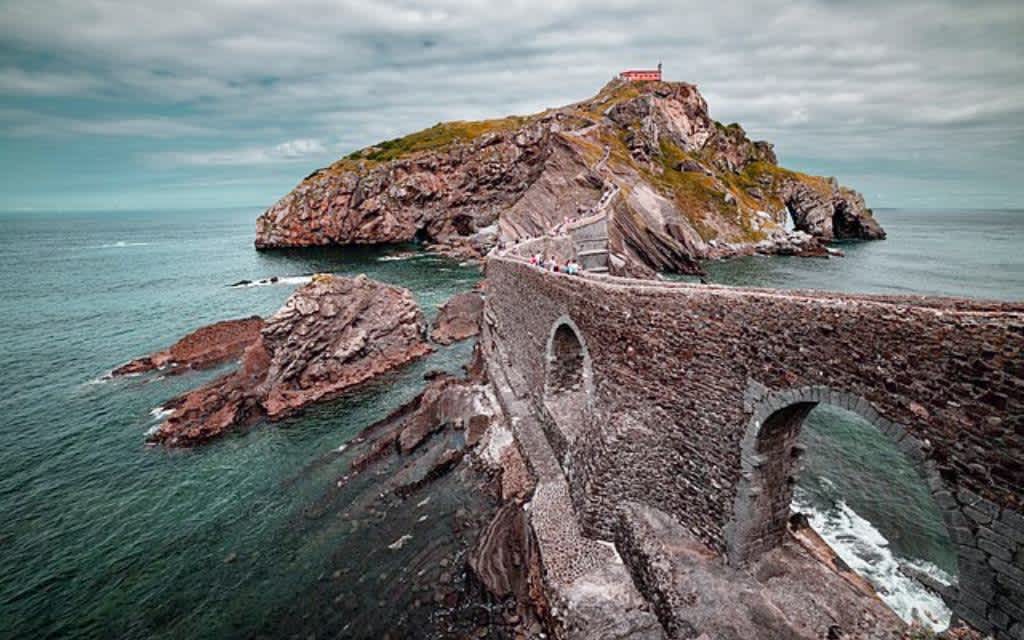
(673, 368)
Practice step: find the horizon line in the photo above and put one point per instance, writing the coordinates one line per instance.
(154, 209)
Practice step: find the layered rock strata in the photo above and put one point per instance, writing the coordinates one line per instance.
(330, 336)
(676, 186)
(204, 348)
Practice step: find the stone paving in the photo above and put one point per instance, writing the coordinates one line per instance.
(592, 592)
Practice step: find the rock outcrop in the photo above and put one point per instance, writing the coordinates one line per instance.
(330, 336)
(447, 405)
(458, 319)
(204, 348)
(676, 185)
(829, 211)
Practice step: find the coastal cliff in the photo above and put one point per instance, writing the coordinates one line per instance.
(677, 186)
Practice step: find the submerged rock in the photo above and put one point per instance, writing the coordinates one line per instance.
(330, 336)
(204, 348)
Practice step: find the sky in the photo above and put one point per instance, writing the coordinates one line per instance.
(221, 103)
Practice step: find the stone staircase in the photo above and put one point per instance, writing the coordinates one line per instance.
(590, 237)
(590, 234)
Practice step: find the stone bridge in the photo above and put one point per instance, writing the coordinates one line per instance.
(689, 398)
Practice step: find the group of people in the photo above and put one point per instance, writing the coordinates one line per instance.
(549, 263)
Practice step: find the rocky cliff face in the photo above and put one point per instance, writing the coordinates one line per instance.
(676, 185)
(330, 335)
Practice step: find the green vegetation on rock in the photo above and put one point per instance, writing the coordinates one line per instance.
(613, 93)
(696, 194)
(436, 137)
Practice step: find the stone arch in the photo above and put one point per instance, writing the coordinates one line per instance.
(568, 379)
(769, 456)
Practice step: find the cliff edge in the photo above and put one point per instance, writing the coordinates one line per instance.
(676, 185)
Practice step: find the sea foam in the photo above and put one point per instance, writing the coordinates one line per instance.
(159, 413)
(268, 282)
(103, 379)
(121, 244)
(867, 551)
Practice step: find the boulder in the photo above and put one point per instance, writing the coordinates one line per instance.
(458, 319)
(691, 166)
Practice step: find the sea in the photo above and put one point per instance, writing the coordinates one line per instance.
(104, 537)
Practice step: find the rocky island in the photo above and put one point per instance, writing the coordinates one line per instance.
(640, 435)
(331, 335)
(674, 185)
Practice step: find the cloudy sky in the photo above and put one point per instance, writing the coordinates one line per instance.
(207, 103)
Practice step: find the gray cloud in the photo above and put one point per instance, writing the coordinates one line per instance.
(22, 123)
(891, 84)
(35, 83)
(289, 151)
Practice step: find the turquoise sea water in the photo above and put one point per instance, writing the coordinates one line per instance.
(103, 537)
(951, 253)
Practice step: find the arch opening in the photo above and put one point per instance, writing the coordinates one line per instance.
(827, 477)
(567, 379)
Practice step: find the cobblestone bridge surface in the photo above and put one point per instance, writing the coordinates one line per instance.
(689, 398)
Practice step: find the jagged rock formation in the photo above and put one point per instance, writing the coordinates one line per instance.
(330, 336)
(458, 319)
(676, 185)
(204, 348)
(829, 211)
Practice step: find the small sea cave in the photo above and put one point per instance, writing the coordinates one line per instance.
(843, 225)
(464, 225)
(422, 236)
(795, 216)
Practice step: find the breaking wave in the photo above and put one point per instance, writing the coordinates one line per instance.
(268, 282)
(121, 244)
(867, 552)
(103, 379)
(398, 256)
(159, 413)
